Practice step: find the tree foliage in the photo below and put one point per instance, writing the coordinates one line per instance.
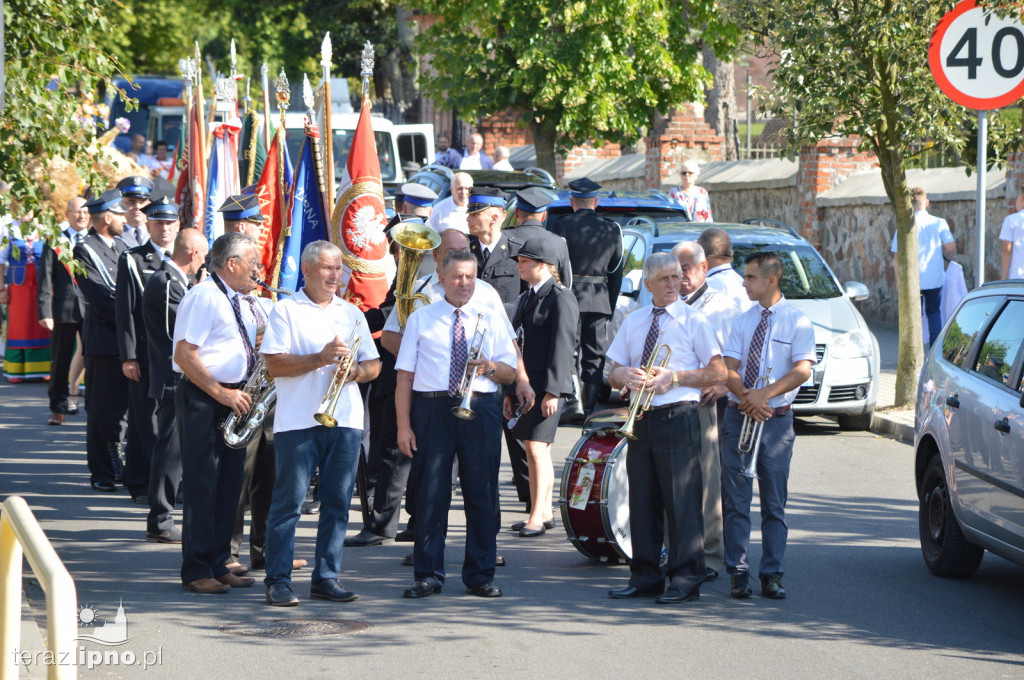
(861, 68)
(577, 70)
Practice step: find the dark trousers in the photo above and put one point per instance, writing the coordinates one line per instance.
(106, 401)
(931, 301)
(592, 333)
(442, 438)
(164, 469)
(258, 477)
(517, 458)
(142, 429)
(212, 477)
(62, 350)
(392, 468)
(663, 467)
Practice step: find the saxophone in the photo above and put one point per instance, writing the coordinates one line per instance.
(239, 431)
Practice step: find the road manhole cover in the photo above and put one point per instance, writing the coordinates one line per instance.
(295, 628)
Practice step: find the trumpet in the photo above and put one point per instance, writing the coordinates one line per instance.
(641, 401)
(750, 432)
(465, 393)
(325, 414)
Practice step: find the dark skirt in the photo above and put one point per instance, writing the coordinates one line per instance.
(532, 426)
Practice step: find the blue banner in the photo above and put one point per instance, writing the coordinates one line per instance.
(308, 222)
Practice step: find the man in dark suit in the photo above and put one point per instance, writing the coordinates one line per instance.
(60, 308)
(135, 192)
(160, 299)
(595, 250)
(133, 271)
(493, 247)
(107, 398)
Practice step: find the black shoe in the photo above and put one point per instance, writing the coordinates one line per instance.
(550, 524)
(172, 535)
(710, 575)
(740, 587)
(141, 499)
(484, 590)
(405, 536)
(630, 592)
(281, 595)
(104, 485)
(771, 587)
(330, 589)
(366, 538)
(676, 596)
(420, 589)
(530, 533)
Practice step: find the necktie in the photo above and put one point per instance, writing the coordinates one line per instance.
(257, 317)
(460, 355)
(754, 355)
(652, 334)
(250, 354)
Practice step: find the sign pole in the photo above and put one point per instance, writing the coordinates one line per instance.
(982, 151)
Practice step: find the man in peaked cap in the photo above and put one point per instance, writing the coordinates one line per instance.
(136, 192)
(493, 247)
(595, 250)
(242, 213)
(106, 401)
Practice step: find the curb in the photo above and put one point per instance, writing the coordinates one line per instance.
(890, 427)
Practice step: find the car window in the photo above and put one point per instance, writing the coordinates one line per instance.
(633, 247)
(1002, 344)
(965, 327)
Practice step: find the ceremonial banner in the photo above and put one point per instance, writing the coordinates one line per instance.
(359, 215)
(192, 181)
(252, 153)
(308, 222)
(268, 191)
(223, 180)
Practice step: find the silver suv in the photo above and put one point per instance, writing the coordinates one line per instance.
(969, 434)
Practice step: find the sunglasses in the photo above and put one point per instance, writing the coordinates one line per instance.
(515, 419)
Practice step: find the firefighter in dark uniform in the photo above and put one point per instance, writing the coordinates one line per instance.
(530, 214)
(134, 269)
(493, 247)
(595, 250)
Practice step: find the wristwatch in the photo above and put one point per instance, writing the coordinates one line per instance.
(489, 373)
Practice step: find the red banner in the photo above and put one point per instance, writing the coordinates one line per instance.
(268, 191)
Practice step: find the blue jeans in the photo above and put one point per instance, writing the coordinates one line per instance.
(299, 453)
(931, 300)
(773, 487)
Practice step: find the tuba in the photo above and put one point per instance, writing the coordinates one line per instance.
(415, 241)
(641, 401)
(325, 414)
(239, 431)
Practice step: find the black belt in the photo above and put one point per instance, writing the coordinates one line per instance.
(444, 395)
(778, 411)
(229, 386)
(589, 279)
(674, 403)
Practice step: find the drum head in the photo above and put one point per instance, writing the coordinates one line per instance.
(615, 492)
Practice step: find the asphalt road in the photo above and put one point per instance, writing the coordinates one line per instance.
(861, 602)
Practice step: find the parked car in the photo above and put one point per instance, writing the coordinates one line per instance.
(624, 206)
(844, 382)
(439, 178)
(969, 434)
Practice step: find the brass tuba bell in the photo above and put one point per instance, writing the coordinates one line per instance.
(415, 241)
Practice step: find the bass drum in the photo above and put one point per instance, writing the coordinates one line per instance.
(594, 496)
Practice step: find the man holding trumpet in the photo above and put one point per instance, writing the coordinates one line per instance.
(454, 354)
(776, 340)
(665, 353)
(309, 360)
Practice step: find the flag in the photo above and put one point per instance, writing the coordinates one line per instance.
(192, 180)
(307, 220)
(252, 152)
(223, 179)
(269, 193)
(359, 215)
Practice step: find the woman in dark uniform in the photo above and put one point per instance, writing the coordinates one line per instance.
(545, 321)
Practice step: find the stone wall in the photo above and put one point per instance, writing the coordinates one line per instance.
(736, 205)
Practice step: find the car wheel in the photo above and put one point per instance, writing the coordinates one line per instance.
(946, 551)
(861, 422)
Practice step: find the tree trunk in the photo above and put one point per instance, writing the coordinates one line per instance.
(543, 133)
(721, 98)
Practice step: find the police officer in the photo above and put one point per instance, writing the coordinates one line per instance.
(106, 401)
(493, 247)
(133, 271)
(135, 192)
(595, 250)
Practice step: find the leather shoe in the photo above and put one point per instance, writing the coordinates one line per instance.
(710, 575)
(237, 569)
(630, 592)
(550, 524)
(484, 590)
(740, 587)
(365, 538)
(676, 596)
(172, 535)
(419, 590)
(405, 536)
(331, 589)
(281, 595)
(56, 419)
(530, 533)
(207, 586)
(236, 581)
(104, 485)
(771, 587)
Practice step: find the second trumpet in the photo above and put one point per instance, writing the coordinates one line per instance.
(325, 414)
(465, 394)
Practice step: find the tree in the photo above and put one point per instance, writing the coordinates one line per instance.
(861, 69)
(578, 71)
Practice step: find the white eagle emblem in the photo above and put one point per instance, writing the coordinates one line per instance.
(367, 228)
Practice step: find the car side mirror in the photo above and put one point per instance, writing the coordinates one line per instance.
(857, 291)
(628, 289)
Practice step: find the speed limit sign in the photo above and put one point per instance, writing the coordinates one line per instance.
(977, 59)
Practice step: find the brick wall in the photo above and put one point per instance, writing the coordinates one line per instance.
(581, 155)
(503, 129)
(676, 137)
(822, 167)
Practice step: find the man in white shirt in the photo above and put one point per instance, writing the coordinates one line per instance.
(450, 212)
(721, 276)
(776, 340)
(474, 158)
(309, 334)
(1011, 241)
(663, 466)
(437, 354)
(501, 159)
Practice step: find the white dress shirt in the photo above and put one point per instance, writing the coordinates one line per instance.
(684, 329)
(727, 280)
(299, 326)
(932, 233)
(1012, 232)
(790, 338)
(447, 215)
(426, 346)
(720, 310)
(483, 293)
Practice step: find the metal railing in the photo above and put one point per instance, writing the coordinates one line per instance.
(20, 534)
